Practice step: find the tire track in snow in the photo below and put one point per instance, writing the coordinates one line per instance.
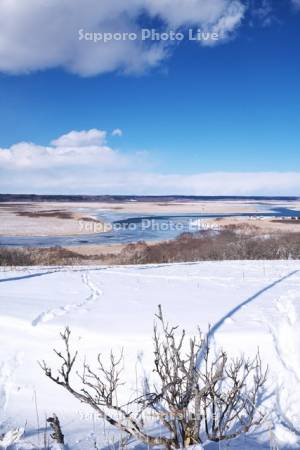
(249, 300)
(232, 312)
(51, 314)
(28, 276)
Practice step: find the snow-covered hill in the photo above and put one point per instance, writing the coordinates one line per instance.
(248, 305)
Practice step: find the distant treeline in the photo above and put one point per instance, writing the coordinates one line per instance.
(127, 198)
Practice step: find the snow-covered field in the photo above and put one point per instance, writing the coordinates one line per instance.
(248, 305)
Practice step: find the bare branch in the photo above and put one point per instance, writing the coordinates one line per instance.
(219, 399)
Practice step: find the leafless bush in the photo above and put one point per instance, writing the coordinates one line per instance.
(232, 243)
(229, 244)
(15, 257)
(38, 256)
(195, 397)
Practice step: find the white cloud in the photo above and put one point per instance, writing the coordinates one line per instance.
(81, 138)
(83, 163)
(77, 150)
(117, 132)
(229, 22)
(177, 13)
(227, 183)
(39, 34)
(296, 3)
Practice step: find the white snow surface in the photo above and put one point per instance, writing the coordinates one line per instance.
(248, 304)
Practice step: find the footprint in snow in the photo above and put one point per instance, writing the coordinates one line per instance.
(51, 314)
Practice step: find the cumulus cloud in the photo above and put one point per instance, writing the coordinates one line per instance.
(39, 34)
(117, 132)
(81, 138)
(81, 162)
(77, 150)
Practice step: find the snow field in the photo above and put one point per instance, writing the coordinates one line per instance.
(248, 304)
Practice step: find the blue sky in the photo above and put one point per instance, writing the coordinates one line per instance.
(233, 108)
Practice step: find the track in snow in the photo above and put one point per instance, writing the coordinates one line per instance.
(51, 314)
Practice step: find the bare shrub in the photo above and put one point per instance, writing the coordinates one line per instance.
(15, 257)
(195, 396)
(232, 243)
(38, 256)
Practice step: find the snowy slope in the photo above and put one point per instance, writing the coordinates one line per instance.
(248, 304)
